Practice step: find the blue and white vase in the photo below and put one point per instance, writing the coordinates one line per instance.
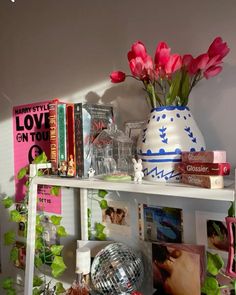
(169, 131)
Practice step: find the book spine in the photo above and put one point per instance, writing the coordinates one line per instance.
(70, 139)
(204, 157)
(206, 181)
(79, 155)
(95, 118)
(204, 168)
(62, 141)
(53, 136)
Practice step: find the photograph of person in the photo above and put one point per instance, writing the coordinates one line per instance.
(115, 215)
(176, 269)
(217, 235)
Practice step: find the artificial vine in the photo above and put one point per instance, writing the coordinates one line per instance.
(46, 253)
(98, 227)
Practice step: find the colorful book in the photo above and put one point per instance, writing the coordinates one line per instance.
(93, 118)
(53, 135)
(204, 168)
(206, 181)
(62, 136)
(161, 224)
(204, 157)
(70, 139)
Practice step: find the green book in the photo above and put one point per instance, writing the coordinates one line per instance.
(61, 123)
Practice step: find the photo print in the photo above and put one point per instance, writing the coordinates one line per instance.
(161, 224)
(177, 268)
(211, 231)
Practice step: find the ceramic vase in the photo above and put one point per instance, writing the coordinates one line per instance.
(169, 131)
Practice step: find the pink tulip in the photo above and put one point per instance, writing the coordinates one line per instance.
(198, 63)
(137, 50)
(117, 77)
(187, 60)
(142, 68)
(219, 48)
(174, 63)
(212, 71)
(162, 54)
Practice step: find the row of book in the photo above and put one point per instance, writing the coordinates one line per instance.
(204, 169)
(73, 127)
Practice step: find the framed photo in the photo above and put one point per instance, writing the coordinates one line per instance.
(211, 231)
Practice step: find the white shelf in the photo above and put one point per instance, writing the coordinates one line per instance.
(146, 187)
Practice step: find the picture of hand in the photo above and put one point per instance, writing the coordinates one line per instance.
(175, 271)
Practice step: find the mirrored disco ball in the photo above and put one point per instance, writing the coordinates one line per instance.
(116, 270)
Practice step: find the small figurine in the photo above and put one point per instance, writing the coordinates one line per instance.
(71, 167)
(63, 168)
(91, 172)
(138, 173)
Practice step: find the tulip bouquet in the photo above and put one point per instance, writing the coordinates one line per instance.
(169, 78)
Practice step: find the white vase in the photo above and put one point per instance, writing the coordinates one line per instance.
(169, 131)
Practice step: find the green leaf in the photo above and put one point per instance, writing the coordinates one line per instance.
(101, 236)
(59, 288)
(7, 202)
(102, 193)
(22, 173)
(56, 249)
(39, 229)
(40, 173)
(185, 86)
(9, 238)
(56, 220)
(14, 254)
(15, 216)
(38, 218)
(38, 261)
(55, 190)
(214, 263)
(39, 243)
(174, 89)
(37, 291)
(231, 210)
(40, 159)
(233, 283)
(103, 204)
(11, 292)
(61, 231)
(99, 227)
(7, 283)
(37, 281)
(58, 266)
(211, 286)
(89, 212)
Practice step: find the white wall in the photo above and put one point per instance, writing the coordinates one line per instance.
(67, 49)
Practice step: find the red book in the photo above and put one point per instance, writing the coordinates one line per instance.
(53, 135)
(204, 168)
(70, 139)
(204, 157)
(206, 181)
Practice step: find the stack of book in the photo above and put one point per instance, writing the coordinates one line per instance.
(204, 169)
(73, 127)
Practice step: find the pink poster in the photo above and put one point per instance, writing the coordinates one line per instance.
(31, 138)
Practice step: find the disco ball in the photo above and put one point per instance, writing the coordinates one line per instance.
(116, 270)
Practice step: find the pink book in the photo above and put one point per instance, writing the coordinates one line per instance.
(206, 181)
(204, 157)
(204, 168)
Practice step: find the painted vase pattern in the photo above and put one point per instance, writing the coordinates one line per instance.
(169, 131)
